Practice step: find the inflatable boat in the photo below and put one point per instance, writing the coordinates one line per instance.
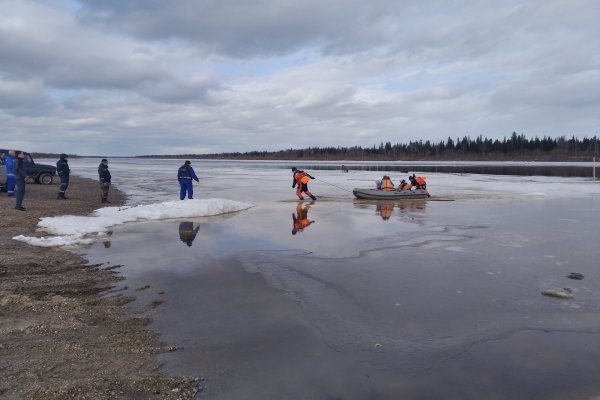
(374, 194)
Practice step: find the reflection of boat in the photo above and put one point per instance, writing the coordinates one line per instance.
(374, 194)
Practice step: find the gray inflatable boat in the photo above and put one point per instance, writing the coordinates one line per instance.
(374, 194)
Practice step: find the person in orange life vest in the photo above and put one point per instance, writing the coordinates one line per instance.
(404, 185)
(386, 183)
(300, 219)
(418, 181)
(301, 179)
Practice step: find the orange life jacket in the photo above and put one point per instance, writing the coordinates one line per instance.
(301, 177)
(386, 184)
(421, 180)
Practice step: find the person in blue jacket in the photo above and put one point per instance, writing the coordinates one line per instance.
(10, 173)
(185, 174)
(63, 170)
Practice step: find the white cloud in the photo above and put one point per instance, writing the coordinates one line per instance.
(141, 77)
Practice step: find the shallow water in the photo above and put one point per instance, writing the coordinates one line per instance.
(426, 299)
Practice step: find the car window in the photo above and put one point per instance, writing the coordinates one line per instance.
(28, 158)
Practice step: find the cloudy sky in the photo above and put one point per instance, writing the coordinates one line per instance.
(116, 77)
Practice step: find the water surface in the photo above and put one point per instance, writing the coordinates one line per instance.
(368, 300)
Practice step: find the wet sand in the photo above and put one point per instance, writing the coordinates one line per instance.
(62, 334)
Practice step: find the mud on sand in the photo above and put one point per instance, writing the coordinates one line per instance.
(60, 337)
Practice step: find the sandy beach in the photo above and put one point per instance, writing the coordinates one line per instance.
(64, 334)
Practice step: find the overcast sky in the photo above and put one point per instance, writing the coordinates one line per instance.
(131, 77)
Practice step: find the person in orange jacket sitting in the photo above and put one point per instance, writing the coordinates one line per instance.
(301, 179)
(404, 185)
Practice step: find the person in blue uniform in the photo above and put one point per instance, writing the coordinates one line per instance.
(63, 171)
(104, 178)
(10, 173)
(185, 174)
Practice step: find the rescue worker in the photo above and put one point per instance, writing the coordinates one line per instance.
(300, 219)
(187, 232)
(301, 179)
(63, 171)
(413, 181)
(385, 183)
(404, 185)
(185, 174)
(418, 182)
(20, 175)
(9, 161)
(104, 177)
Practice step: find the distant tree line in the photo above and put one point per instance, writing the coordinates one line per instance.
(516, 147)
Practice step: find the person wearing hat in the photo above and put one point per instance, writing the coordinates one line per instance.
(185, 174)
(63, 171)
(301, 179)
(20, 175)
(104, 176)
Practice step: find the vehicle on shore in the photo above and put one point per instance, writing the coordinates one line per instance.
(375, 194)
(38, 173)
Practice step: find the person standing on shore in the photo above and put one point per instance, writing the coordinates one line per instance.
(20, 175)
(185, 174)
(301, 179)
(104, 176)
(9, 160)
(63, 170)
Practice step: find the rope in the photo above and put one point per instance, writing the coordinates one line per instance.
(331, 184)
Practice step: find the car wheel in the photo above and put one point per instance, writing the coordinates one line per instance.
(45, 179)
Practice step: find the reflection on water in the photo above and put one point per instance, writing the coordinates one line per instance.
(187, 232)
(439, 300)
(300, 217)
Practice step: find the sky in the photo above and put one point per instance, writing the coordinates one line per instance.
(135, 77)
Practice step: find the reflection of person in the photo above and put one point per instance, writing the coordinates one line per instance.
(300, 218)
(185, 174)
(63, 171)
(104, 176)
(385, 210)
(187, 233)
(9, 160)
(301, 179)
(20, 175)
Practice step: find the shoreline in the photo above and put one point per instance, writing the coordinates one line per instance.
(62, 335)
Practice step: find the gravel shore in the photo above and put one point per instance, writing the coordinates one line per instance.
(60, 337)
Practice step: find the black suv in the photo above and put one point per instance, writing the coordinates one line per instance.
(39, 173)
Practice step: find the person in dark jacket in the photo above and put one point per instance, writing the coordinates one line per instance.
(104, 176)
(63, 170)
(185, 174)
(20, 175)
(9, 161)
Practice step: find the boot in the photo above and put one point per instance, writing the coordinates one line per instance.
(313, 197)
(61, 197)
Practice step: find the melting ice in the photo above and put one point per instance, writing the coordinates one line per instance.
(71, 229)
